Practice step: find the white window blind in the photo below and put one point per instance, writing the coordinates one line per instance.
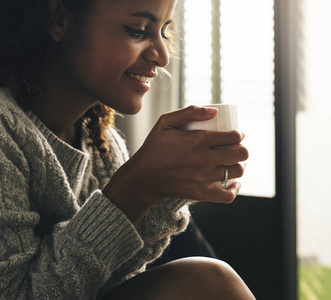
(246, 66)
(197, 51)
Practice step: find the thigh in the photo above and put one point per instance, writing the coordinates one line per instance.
(190, 278)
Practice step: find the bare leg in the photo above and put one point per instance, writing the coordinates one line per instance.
(195, 278)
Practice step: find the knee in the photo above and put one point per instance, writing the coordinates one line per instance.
(212, 279)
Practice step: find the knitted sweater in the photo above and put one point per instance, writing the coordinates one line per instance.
(60, 237)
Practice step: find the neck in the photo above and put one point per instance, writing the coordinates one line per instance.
(59, 110)
(61, 102)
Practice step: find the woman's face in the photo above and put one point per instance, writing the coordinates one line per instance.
(110, 54)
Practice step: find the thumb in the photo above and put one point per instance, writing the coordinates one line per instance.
(178, 118)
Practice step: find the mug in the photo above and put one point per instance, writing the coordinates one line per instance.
(226, 119)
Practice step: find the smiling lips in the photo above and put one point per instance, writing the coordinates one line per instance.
(142, 79)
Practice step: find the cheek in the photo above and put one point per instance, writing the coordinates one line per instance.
(92, 63)
(102, 59)
(97, 59)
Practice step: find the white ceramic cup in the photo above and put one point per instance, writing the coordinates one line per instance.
(226, 119)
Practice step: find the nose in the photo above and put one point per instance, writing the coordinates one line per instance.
(157, 52)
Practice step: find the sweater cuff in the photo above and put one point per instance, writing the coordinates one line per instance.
(105, 228)
(175, 204)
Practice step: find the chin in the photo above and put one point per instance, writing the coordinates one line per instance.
(130, 109)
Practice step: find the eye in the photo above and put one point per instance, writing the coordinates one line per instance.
(135, 33)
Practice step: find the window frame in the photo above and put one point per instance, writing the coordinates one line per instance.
(286, 49)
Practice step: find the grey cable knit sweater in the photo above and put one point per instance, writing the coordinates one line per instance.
(60, 237)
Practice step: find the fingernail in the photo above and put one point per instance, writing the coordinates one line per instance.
(210, 110)
(239, 185)
(242, 134)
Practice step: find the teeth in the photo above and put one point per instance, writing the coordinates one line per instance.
(143, 79)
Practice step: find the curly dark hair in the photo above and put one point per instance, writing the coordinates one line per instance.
(23, 47)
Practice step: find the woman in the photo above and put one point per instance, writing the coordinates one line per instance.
(78, 218)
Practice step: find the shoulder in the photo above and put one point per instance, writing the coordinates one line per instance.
(11, 150)
(8, 107)
(19, 135)
(12, 117)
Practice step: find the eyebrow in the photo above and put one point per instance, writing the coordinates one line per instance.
(148, 15)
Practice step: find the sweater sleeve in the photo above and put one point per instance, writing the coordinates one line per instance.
(71, 263)
(169, 217)
(166, 218)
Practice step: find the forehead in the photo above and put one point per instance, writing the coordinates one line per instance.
(162, 9)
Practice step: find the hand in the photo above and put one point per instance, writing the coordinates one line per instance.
(174, 162)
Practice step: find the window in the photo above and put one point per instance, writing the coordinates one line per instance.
(313, 150)
(234, 63)
(245, 40)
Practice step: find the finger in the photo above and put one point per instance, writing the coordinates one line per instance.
(216, 139)
(226, 138)
(234, 171)
(231, 192)
(211, 161)
(179, 118)
(230, 155)
(219, 195)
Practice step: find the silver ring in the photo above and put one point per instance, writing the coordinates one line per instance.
(226, 176)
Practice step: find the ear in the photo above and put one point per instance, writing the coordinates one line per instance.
(58, 20)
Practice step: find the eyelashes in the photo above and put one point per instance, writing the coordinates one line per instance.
(141, 33)
(135, 33)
